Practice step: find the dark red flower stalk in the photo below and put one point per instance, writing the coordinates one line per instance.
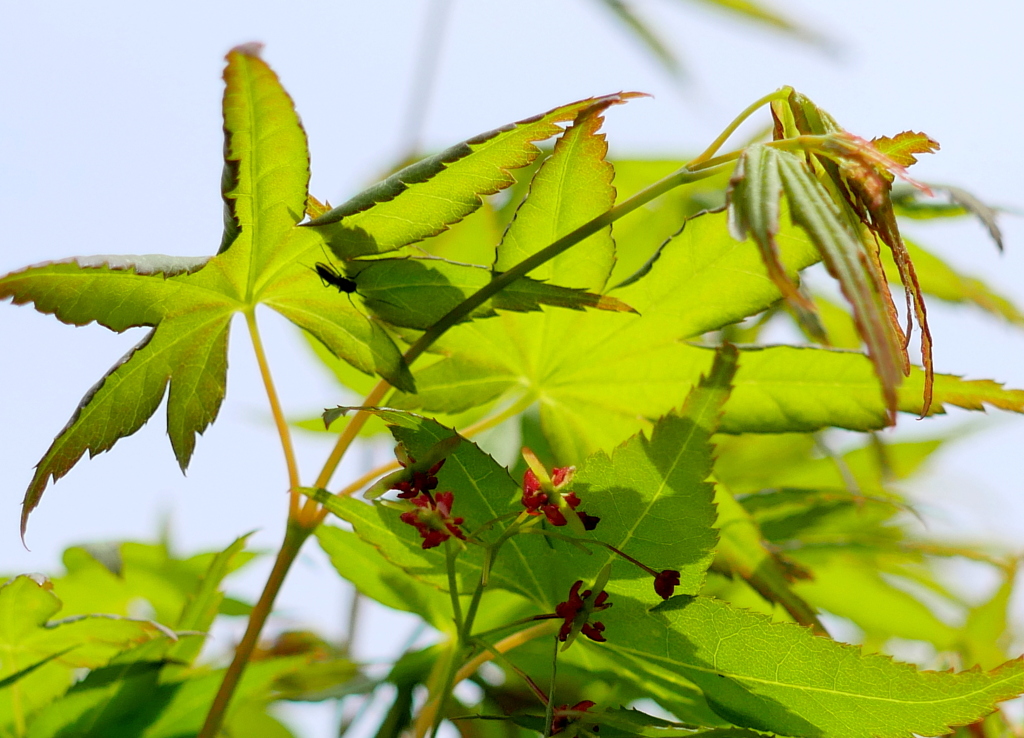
(433, 518)
(562, 716)
(576, 612)
(665, 581)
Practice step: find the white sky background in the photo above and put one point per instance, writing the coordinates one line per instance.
(111, 142)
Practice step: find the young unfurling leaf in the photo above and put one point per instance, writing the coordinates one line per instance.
(839, 193)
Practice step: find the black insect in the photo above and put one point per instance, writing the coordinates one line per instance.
(331, 277)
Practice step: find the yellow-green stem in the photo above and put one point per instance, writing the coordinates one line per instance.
(780, 94)
(345, 440)
(18, 708)
(295, 535)
(505, 645)
(429, 714)
(450, 552)
(275, 408)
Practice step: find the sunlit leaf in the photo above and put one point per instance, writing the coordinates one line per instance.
(572, 186)
(780, 678)
(652, 497)
(133, 699)
(754, 203)
(188, 302)
(120, 578)
(46, 651)
(205, 601)
(811, 207)
(416, 293)
(482, 491)
(850, 584)
(742, 552)
(600, 384)
(428, 196)
(987, 633)
(377, 578)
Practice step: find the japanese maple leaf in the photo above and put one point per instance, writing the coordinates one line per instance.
(265, 256)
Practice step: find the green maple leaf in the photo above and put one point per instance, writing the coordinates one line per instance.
(188, 302)
(266, 257)
(600, 377)
(780, 678)
(640, 493)
(38, 654)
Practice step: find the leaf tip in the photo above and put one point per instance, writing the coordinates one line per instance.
(250, 48)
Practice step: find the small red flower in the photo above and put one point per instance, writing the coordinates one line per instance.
(419, 482)
(433, 518)
(537, 501)
(576, 612)
(666, 582)
(562, 718)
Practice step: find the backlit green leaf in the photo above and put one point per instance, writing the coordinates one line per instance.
(742, 552)
(133, 699)
(427, 197)
(781, 678)
(987, 632)
(600, 376)
(29, 637)
(377, 578)
(482, 491)
(572, 186)
(204, 602)
(835, 388)
(188, 302)
(850, 584)
(813, 209)
(416, 293)
(652, 497)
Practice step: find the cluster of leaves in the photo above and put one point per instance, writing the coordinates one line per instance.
(141, 678)
(632, 357)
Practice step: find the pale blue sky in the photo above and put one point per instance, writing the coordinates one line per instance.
(110, 142)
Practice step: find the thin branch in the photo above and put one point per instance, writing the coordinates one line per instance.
(505, 645)
(312, 509)
(780, 94)
(295, 535)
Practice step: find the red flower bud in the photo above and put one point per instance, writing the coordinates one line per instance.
(433, 518)
(537, 501)
(666, 582)
(576, 612)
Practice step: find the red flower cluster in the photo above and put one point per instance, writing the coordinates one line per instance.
(561, 719)
(576, 612)
(421, 482)
(537, 501)
(433, 518)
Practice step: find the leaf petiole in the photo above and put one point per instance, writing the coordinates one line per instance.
(705, 157)
(279, 420)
